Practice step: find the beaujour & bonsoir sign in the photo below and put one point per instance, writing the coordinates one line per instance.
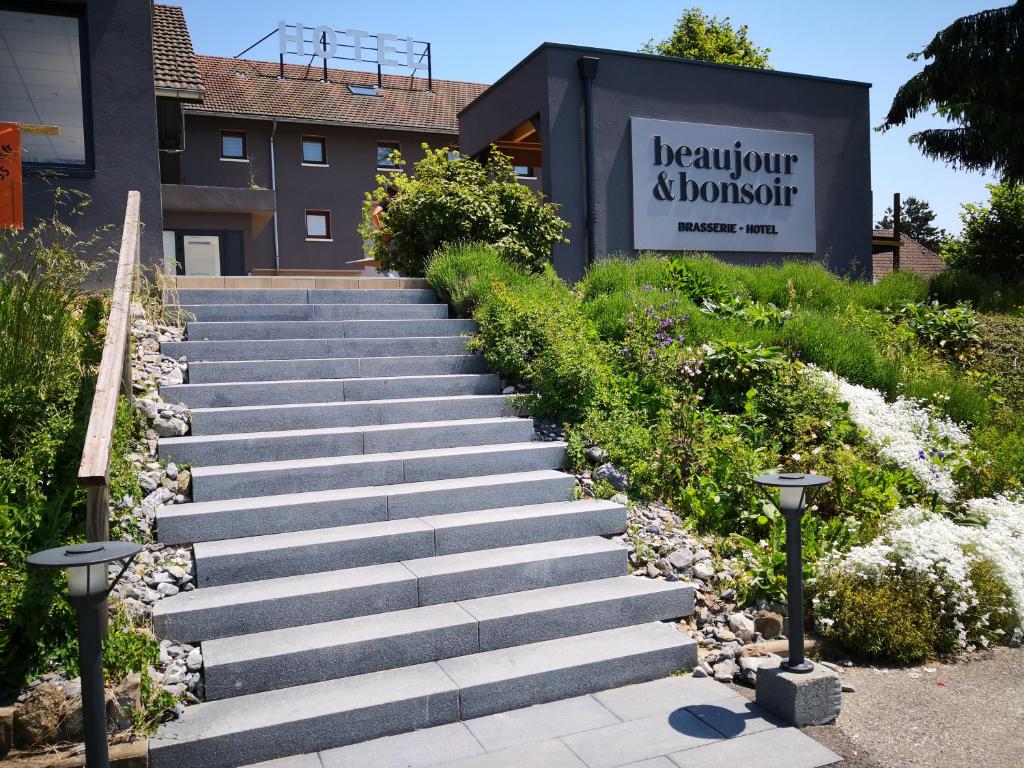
(702, 187)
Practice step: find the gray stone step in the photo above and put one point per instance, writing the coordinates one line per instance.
(308, 349)
(229, 561)
(332, 368)
(510, 678)
(334, 713)
(228, 733)
(257, 606)
(251, 663)
(354, 413)
(233, 518)
(220, 313)
(508, 526)
(312, 598)
(304, 296)
(235, 393)
(462, 576)
(235, 481)
(207, 450)
(327, 329)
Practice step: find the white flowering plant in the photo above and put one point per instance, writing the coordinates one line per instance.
(966, 584)
(907, 433)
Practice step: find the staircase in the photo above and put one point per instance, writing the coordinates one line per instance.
(380, 543)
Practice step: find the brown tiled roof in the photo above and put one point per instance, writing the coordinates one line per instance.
(174, 61)
(914, 257)
(246, 87)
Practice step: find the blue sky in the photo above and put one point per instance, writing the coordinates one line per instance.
(867, 40)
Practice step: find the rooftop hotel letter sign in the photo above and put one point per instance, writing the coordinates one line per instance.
(702, 187)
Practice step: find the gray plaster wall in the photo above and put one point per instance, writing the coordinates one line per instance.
(633, 85)
(124, 133)
(339, 187)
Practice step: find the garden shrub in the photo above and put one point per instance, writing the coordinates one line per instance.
(449, 198)
(817, 338)
(986, 293)
(888, 621)
(463, 275)
(532, 329)
(537, 335)
(992, 239)
(49, 340)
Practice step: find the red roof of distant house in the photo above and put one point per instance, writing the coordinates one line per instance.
(253, 89)
(174, 61)
(914, 257)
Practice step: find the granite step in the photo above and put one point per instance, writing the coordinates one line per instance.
(235, 481)
(248, 447)
(263, 296)
(409, 540)
(326, 329)
(334, 713)
(220, 313)
(238, 393)
(311, 598)
(260, 515)
(308, 349)
(332, 368)
(264, 661)
(353, 413)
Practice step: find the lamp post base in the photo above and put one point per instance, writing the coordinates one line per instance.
(800, 667)
(800, 698)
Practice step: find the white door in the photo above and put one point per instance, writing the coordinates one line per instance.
(170, 257)
(202, 255)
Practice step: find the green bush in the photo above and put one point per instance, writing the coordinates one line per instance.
(532, 329)
(992, 240)
(49, 341)
(986, 293)
(448, 199)
(818, 338)
(463, 275)
(887, 621)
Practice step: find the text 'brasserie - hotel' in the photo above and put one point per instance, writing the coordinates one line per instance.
(259, 164)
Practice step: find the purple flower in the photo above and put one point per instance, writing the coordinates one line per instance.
(920, 454)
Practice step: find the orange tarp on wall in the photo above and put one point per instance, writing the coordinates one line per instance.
(11, 200)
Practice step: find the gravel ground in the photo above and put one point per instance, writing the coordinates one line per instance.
(968, 712)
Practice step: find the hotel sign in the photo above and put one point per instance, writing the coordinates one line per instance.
(703, 187)
(357, 45)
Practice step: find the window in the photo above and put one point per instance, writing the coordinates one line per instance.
(525, 172)
(385, 162)
(41, 87)
(232, 145)
(364, 90)
(318, 225)
(314, 150)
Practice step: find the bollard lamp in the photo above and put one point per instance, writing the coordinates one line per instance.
(88, 587)
(795, 491)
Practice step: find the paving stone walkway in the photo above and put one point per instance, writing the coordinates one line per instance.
(677, 722)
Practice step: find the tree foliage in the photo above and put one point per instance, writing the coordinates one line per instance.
(974, 79)
(992, 240)
(708, 38)
(450, 199)
(916, 222)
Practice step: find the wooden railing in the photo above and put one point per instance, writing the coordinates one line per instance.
(115, 374)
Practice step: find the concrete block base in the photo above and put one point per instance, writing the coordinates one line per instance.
(800, 698)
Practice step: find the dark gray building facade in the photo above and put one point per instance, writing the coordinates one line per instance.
(80, 80)
(545, 93)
